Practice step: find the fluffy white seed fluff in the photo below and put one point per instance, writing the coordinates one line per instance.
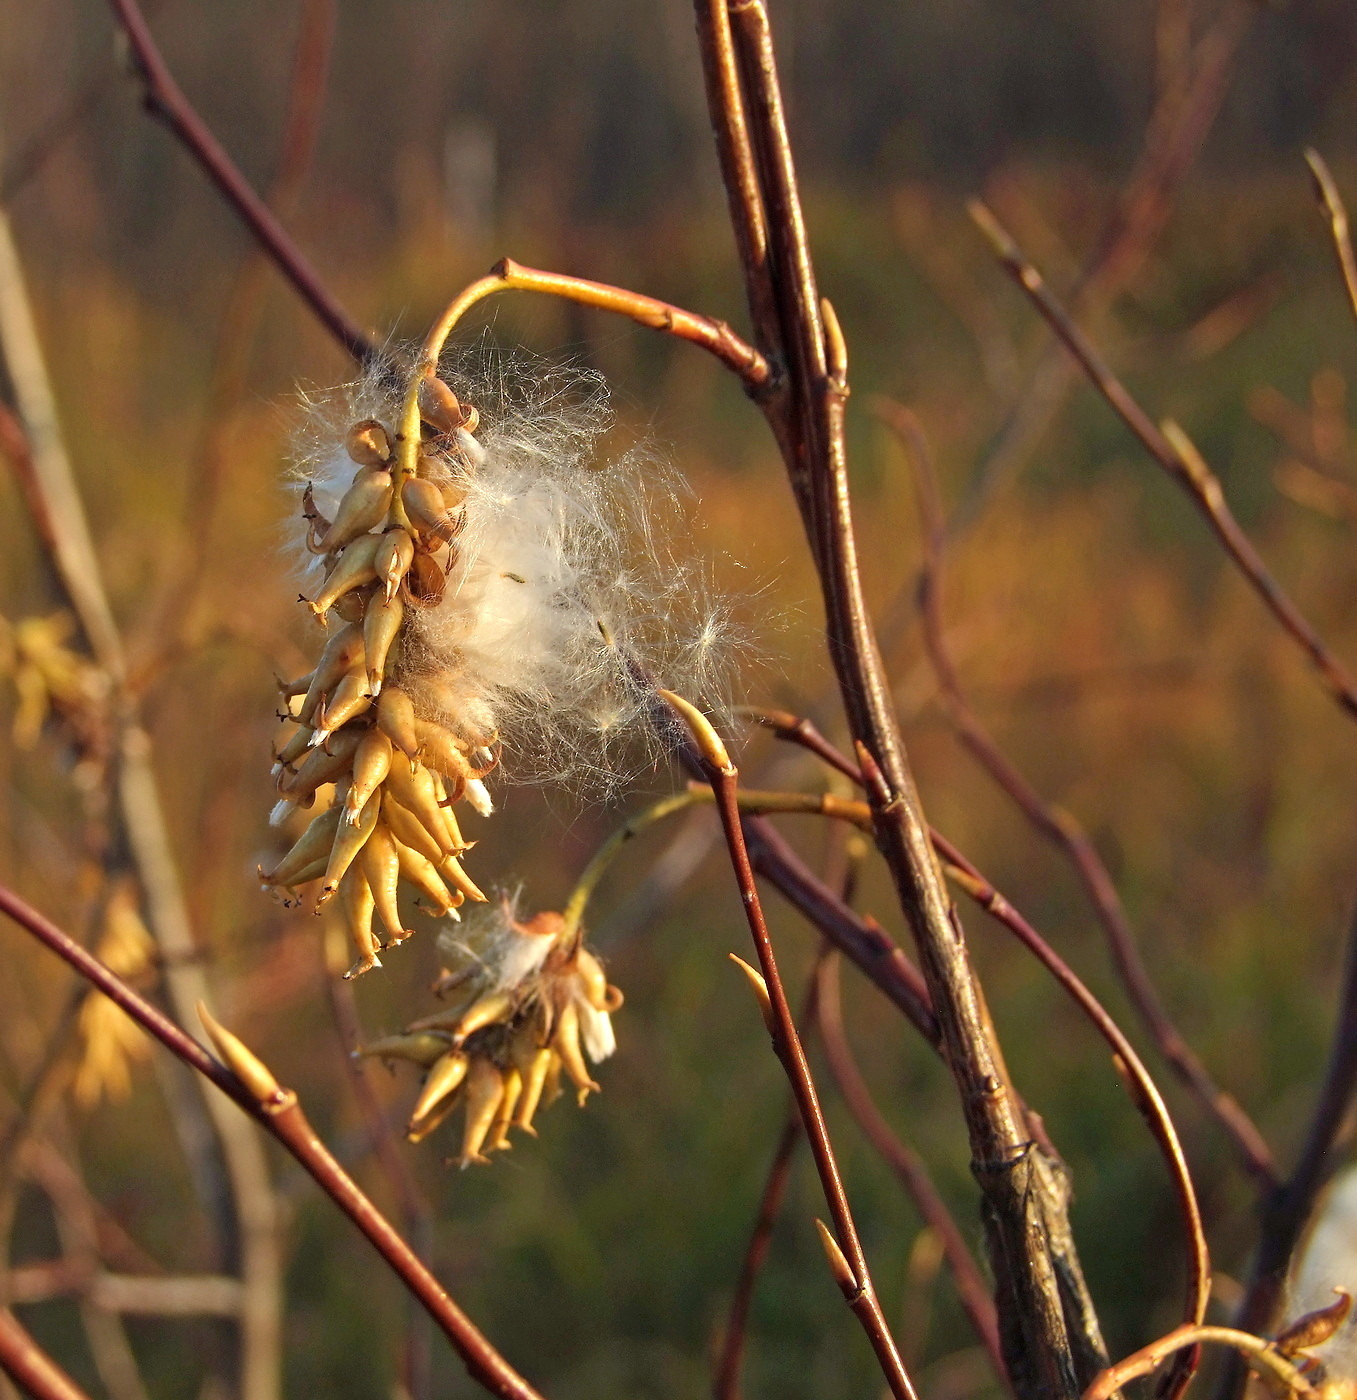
(575, 579)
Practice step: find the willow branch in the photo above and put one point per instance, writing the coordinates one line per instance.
(165, 100)
(909, 1167)
(1051, 1335)
(278, 1112)
(1144, 1092)
(1173, 451)
(730, 1362)
(1326, 189)
(29, 1367)
(844, 1247)
(1058, 826)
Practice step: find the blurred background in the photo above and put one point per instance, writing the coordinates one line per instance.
(1149, 158)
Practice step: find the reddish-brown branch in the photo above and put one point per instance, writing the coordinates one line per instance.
(283, 1118)
(1058, 826)
(908, 1166)
(1026, 1209)
(730, 1363)
(1144, 1092)
(1172, 451)
(1259, 1351)
(29, 1367)
(847, 1256)
(165, 100)
(1326, 188)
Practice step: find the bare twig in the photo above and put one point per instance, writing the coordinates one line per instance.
(165, 100)
(250, 1085)
(1326, 188)
(1057, 825)
(1174, 452)
(730, 1362)
(1144, 1092)
(1042, 1296)
(908, 1166)
(1261, 1354)
(1178, 127)
(29, 1367)
(849, 1265)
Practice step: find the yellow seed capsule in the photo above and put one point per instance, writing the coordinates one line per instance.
(356, 902)
(322, 765)
(393, 558)
(409, 830)
(504, 1114)
(352, 607)
(445, 1077)
(371, 763)
(452, 870)
(484, 1011)
(356, 566)
(438, 405)
(396, 719)
(534, 1074)
(551, 1085)
(380, 626)
(362, 508)
(368, 443)
(565, 1040)
(411, 785)
(433, 1121)
(342, 654)
(310, 846)
(346, 701)
(428, 511)
(350, 837)
(294, 749)
(288, 690)
(420, 872)
(381, 869)
(484, 1089)
(441, 749)
(420, 1047)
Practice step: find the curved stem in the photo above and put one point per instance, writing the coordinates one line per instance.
(704, 331)
(1261, 1354)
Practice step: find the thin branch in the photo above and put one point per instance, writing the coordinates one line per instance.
(1057, 825)
(1177, 130)
(730, 1363)
(165, 100)
(29, 1367)
(1173, 451)
(1026, 1212)
(278, 1111)
(1261, 1354)
(1326, 189)
(1144, 1092)
(909, 1167)
(844, 1247)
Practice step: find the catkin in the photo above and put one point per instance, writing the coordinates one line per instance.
(392, 777)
